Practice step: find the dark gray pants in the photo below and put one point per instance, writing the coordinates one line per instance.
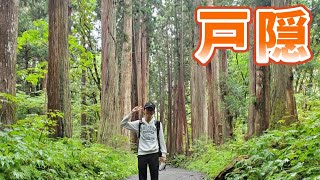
(153, 161)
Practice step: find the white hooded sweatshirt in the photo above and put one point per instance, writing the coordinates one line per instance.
(148, 142)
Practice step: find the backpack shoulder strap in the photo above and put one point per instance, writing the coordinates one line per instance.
(158, 129)
(140, 122)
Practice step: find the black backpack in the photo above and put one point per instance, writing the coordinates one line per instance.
(158, 129)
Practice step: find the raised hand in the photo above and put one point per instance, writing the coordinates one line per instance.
(137, 108)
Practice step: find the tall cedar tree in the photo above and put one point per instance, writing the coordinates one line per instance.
(58, 68)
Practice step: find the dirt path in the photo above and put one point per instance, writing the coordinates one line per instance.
(172, 173)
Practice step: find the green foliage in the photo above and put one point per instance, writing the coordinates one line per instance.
(212, 161)
(33, 75)
(29, 11)
(7, 99)
(85, 62)
(37, 35)
(289, 153)
(237, 97)
(27, 105)
(31, 57)
(206, 157)
(26, 152)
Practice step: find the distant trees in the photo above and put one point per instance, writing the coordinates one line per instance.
(146, 55)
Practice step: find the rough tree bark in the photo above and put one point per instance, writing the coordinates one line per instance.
(138, 64)
(218, 126)
(8, 57)
(162, 102)
(217, 119)
(126, 64)
(181, 90)
(144, 56)
(140, 68)
(179, 94)
(262, 99)
(199, 110)
(109, 119)
(134, 89)
(210, 81)
(259, 109)
(283, 101)
(169, 124)
(252, 88)
(58, 68)
(228, 118)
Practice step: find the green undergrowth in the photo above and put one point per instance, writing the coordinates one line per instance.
(26, 152)
(205, 158)
(289, 153)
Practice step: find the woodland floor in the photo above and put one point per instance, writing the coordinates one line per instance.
(172, 173)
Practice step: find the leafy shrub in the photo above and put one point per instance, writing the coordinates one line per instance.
(26, 152)
(292, 153)
(29, 105)
(213, 161)
(289, 153)
(206, 157)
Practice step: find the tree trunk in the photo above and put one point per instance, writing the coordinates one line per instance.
(58, 68)
(217, 112)
(84, 130)
(283, 102)
(262, 99)
(216, 101)
(199, 110)
(228, 123)
(109, 119)
(210, 88)
(144, 57)
(140, 83)
(8, 57)
(252, 88)
(138, 64)
(259, 108)
(262, 106)
(134, 89)
(181, 89)
(170, 124)
(220, 111)
(126, 64)
(179, 98)
(210, 92)
(162, 102)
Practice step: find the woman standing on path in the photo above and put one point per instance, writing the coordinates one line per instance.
(148, 149)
